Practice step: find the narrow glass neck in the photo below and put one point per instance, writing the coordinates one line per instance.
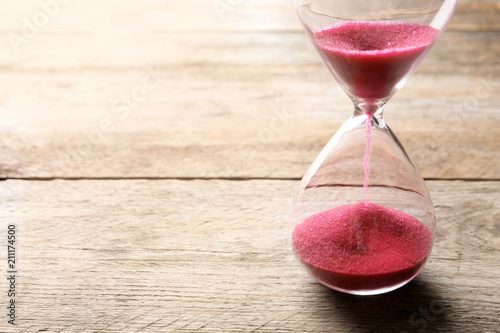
(377, 111)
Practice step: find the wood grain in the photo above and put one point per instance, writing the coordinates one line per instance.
(203, 256)
(259, 115)
(240, 96)
(80, 17)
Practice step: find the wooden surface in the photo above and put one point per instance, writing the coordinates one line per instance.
(169, 213)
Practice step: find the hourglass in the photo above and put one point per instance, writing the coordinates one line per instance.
(362, 220)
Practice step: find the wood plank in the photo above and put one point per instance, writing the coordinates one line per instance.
(476, 16)
(112, 17)
(226, 96)
(203, 256)
(53, 53)
(237, 122)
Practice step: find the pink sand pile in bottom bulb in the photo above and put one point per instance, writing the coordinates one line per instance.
(372, 57)
(362, 246)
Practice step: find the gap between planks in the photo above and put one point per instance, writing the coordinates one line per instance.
(215, 178)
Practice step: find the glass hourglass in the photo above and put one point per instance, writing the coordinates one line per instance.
(362, 220)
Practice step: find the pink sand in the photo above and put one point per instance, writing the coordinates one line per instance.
(372, 57)
(362, 246)
(368, 151)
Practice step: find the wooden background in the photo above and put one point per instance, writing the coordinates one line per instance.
(149, 151)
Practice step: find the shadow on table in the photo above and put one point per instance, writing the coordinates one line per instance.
(416, 307)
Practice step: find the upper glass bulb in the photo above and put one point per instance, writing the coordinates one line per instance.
(372, 47)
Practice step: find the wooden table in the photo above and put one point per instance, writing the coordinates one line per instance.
(149, 151)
